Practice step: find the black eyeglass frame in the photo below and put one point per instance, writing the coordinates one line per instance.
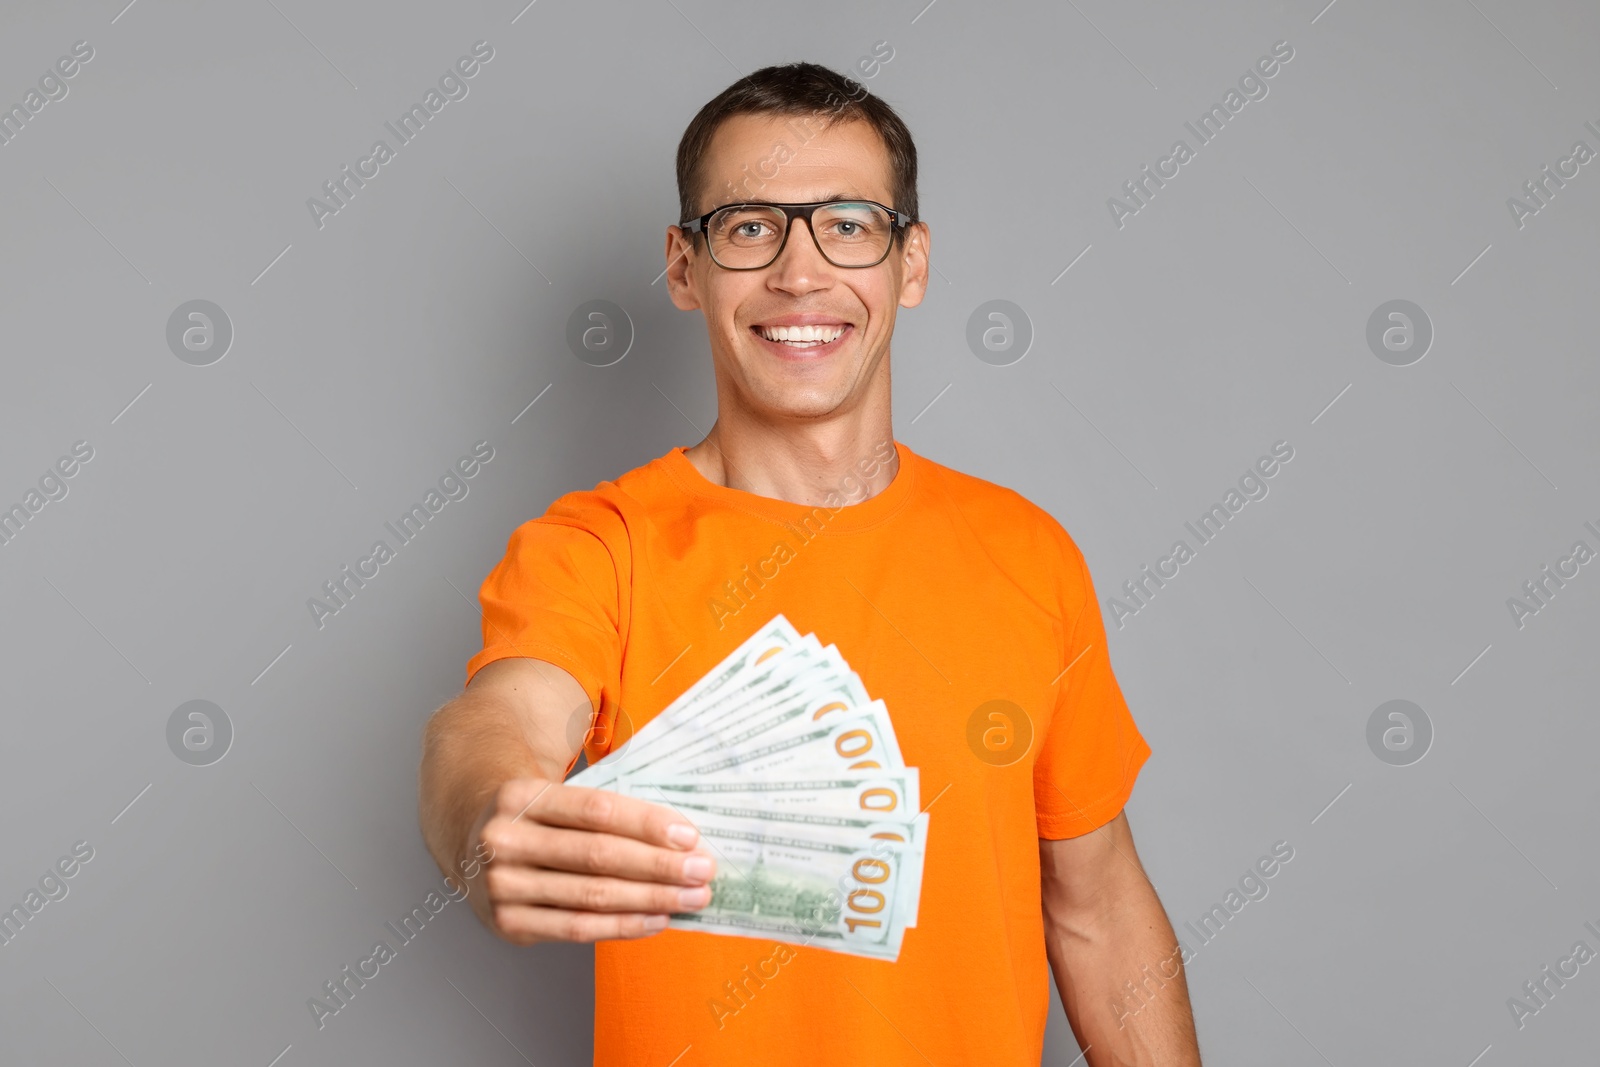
(898, 220)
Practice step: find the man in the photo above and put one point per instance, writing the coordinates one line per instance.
(966, 609)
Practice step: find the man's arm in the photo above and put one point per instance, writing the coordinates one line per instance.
(543, 861)
(1113, 952)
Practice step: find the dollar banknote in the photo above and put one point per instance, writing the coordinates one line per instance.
(884, 805)
(795, 779)
(841, 890)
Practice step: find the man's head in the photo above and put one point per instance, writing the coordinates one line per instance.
(798, 134)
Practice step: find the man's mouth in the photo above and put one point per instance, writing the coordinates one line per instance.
(802, 337)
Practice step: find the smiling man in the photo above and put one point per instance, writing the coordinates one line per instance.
(968, 610)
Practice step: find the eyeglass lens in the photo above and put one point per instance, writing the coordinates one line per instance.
(849, 234)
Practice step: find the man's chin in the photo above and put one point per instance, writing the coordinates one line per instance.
(794, 405)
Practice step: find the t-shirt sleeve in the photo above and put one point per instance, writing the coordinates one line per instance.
(555, 596)
(1092, 751)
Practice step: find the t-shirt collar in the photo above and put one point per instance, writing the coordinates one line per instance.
(819, 518)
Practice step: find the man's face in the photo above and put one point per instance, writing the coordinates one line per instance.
(774, 379)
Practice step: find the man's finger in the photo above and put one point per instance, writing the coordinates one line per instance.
(526, 924)
(583, 852)
(582, 808)
(514, 884)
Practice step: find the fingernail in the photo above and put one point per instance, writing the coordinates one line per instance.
(697, 868)
(682, 834)
(656, 922)
(694, 898)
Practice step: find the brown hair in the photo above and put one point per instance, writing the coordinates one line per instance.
(806, 89)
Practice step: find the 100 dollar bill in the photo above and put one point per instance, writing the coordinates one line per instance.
(771, 882)
(770, 641)
(853, 739)
(881, 805)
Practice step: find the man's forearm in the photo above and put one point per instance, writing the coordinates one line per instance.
(470, 747)
(1121, 979)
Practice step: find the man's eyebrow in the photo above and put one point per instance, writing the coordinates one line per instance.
(823, 199)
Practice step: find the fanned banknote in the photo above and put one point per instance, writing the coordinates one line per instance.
(795, 779)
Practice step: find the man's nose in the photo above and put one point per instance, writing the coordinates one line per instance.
(801, 265)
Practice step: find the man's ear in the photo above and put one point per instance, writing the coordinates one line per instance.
(914, 265)
(680, 263)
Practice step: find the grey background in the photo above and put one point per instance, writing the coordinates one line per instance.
(369, 354)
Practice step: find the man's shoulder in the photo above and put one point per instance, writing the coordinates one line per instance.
(1020, 538)
(643, 484)
(613, 504)
(999, 512)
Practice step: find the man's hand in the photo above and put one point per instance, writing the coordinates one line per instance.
(568, 863)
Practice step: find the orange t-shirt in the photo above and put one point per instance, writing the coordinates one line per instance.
(944, 593)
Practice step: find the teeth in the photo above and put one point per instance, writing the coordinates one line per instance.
(802, 334)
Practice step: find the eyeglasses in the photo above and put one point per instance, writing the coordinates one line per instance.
(848, 233)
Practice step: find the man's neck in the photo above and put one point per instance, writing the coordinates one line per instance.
(809, 466)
